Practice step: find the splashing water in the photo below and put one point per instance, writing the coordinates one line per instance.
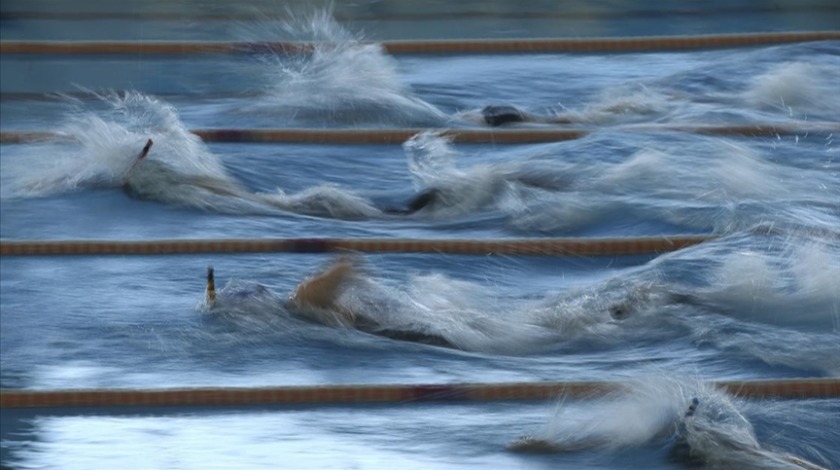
(635, 305)
(431, 161)
(107, 146)
(179, 170)
(795, 288)
(654, 411)
(772, 303)
(797, 88)
(343, 80)
(623, 105)
(437, 309)
(639, 414)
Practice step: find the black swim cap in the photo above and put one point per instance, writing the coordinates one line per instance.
(497, 115)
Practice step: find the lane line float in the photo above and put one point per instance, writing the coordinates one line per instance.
(308, 395)
(459, 136)
(537, 247)
(454, 46)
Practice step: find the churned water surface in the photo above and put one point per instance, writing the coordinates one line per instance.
(758, 302)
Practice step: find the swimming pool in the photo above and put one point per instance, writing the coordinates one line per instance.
(759, 301)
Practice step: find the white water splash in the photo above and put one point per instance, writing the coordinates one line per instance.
(797, 89)
(343, 80)
(100, 150)
(654, 410)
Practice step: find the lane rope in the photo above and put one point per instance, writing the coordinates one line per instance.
(468, 13)
(541, 247)
(460, 136)
(454, 46)
(300, 395)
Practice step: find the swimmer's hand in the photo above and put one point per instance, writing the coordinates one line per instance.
(145, 150)
(210, 292)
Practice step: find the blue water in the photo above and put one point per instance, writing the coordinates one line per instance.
(759, 302)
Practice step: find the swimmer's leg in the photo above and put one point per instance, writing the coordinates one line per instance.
(320, 292)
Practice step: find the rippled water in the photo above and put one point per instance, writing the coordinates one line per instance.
(760, 301)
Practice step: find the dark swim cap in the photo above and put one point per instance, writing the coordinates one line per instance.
(497, 115)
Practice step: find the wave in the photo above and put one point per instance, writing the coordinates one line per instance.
(101, 149)
(797, 88)
(342, 80)
(782, 310)
(706, 184)
(698, 424)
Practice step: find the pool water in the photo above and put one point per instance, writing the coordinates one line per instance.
(760, 301)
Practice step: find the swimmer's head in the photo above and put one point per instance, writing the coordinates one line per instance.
(497, 115)
(620, 311)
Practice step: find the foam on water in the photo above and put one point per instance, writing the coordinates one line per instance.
(794, 288)
(431, 161)
(459, 312)
(513, 186)
(640, 414)
(797, 88)
(99, 149)
(764, 306)
(324, 200)
(343, 80)
(474, 317)
(766, 302)
(624, 104)
(653, 412)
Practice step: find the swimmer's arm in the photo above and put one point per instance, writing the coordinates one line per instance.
(145, 150)
(210, 292)
(140, 156)
(321, 291)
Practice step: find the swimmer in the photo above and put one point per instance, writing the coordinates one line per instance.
(145, 177)
(317, 299)
(500, 115)
(428, 198)
(693, 436)
(451, 195)
(237, 296)
(688, 432)
(155, 179)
